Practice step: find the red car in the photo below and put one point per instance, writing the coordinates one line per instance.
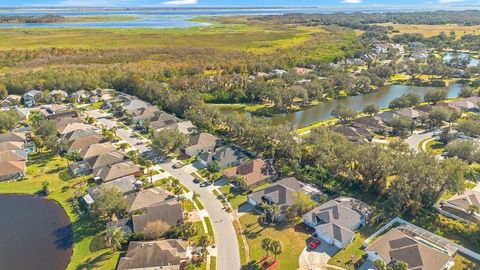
(314, 244)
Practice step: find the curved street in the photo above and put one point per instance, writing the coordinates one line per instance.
(228, 253)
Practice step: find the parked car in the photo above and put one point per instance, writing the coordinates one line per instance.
(177, 165)
(140, 143)
(314, 244)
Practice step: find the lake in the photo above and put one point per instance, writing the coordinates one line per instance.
(35, 233)
(473, 61)
(323, 110)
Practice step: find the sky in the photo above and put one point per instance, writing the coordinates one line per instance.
(245, 3)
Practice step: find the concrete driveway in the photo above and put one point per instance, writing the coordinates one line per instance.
(228, 253)
(416, 138)
(317, 259)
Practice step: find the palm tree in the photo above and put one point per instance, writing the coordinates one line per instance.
(267, 244)
(148, 163)
(276, 248)
(473, 209)
(202, 243)
(115, 237)
(72, 156)
(265, 208)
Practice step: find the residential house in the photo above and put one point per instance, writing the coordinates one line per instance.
(185, 127)
(134, 105)
(13, 137)
(95, 150)
(163, 120)
(76, 134)
(10, 100)
(29, 98)
(256, 172)
(278, 72)
(202, 142)
(168, 254)
(223, 156)
(380, 48)
(10, 170)
(459, 203)
(13, 155)
(11, 146)
(57, 95)
(386, 117)
(125, 185)
(147, 198)
(143, 114)
(62, 130)
(358, 135)
(282, 193)
(105, 159)
(23, 113)
(62, 122)
(410, 113)
(118, 170)
(372, 124)
(62, 114)
(80, 143)
(170, 212)
(336, 220)
(80, 95)
(418, 253)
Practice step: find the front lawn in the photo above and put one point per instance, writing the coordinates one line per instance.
(464, 263)
(236, 199)
(435, 147)
(292, 236)
(44, 167)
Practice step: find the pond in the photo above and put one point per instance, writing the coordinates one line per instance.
(473, 61)
(35, 233)
(323, 111)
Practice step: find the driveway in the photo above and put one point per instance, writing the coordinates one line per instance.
(416, 138)
(124, 133)
(317, 259)
(228, 254)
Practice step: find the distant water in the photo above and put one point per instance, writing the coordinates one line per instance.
(156, 17)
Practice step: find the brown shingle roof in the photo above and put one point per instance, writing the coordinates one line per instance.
(105, 159)
(11, 155)
(146, 198)
(96, 149)
(254, 171)
(401, 247)
(111, 172)
(11, 145)
(12, 167)
(170, 212)
(83, 142)
(164, 254)
(469, 197)
(12, 136)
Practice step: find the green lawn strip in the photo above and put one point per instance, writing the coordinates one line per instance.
(213, 262)
(344, 257)
(464, 263)
(205, 173)
(241, 244)
(88, 250)
(291, 235)
(201, 231)
(210, 232)
(236, 199)
(197, 176)
(188, 206)
(435, 147)
(199, 204)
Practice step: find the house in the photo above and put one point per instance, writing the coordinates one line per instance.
(303, 71)
(118, 170)
(147, 198)
(29, 98)
(282, 193)
(354, 134)
(73, 135)
(170, 212)
(386, 117)
(23, 113)
(336, 220)
(418, 253)
(410, 113)
(185, 127)
(168, 254)
(223, 156)
(202, 142)
(10, 170)
(11, 146)
(95, 150)
(80, 143)
(459, 203)
(62, 122)
(163, 120)
(62, 114)
(143, 114)
(80, 95)
(278, 72)
(80, 168)
(125, 185)
(255, 172)
(372, 124)
(57, 95)
(13, 155)
(105, 159)
(13, 137)
(62, 130)
(380, 48)
(132, 106)
(10, 100)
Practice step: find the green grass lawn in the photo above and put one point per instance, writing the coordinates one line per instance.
(210, 176)
(199, 204)
(188, 206)
(87, 233)
(213, 262)
(209, 228)
(292, 237)
(344, 257)
(241, 246)
(435, 147)
(236, 199)
(464, 263)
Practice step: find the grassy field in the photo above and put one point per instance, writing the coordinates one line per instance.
(433, 30)
(88, 250)
(292, 237)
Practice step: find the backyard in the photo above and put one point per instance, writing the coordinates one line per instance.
(89, 251)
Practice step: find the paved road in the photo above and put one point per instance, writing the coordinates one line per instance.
(124, 134)
(416, 138)
(228, 254)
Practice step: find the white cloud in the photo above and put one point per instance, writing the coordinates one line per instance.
(352, 1)
(180, 2)
(449, 1)
(93, 3)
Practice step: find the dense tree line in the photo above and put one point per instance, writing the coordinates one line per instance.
(31, 19)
